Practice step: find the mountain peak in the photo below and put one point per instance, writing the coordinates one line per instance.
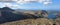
(6, 9)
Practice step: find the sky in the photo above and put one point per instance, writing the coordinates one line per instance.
(37, 5)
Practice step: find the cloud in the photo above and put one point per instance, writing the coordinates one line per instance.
(8, 5)
(39, 1)
(28, 1)
(15, 6)
(45, 2)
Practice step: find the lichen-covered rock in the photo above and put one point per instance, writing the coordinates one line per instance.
(39, 21)
(57, 21)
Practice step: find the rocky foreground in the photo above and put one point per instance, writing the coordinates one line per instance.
(38, 21)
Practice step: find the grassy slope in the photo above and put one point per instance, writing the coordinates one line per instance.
(39, 21)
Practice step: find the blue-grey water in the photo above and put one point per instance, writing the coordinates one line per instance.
(51, 16)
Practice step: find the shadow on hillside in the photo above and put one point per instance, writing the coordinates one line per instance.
(8, 16)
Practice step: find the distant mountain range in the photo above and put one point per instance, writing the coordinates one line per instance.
(53, 11)
(7, 14)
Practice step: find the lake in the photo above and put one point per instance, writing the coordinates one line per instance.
(51, 16)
